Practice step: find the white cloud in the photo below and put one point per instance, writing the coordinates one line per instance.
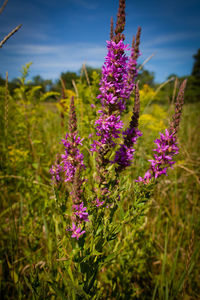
(168, 54)
(74, 49)
(50, 60)
(169, 38)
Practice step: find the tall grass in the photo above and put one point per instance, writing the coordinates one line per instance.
(158, 261)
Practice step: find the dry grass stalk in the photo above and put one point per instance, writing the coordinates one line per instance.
(75, 88)
(137, 42)
(6, 109)
(3, 6)
(9, 35)
(174, 90)
(111, 29)
(86, 74)
(146, 61)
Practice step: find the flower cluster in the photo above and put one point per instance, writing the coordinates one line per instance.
(163, 159)
(76, 231)
(99, 203)
(124, 155)
(114, 89)
(69, 169)
(65, 170)
(56, 171)
(107, 127)
(79, 216)
(72, 157)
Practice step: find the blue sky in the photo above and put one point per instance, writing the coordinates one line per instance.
(59, 36)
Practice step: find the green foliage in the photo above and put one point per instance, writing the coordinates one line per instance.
(145, 246)
(196, 66)
(146, 77)
(193, 89)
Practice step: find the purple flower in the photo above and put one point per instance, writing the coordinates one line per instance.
(76, 231)
(55, 171)
(114, 89)
(69, 170)
(107, 128)
(99, 203)
(70, 160)
(124, 155)
(146, 178)
(80, 212)
(163, 159)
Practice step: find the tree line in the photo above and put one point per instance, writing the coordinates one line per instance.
(192, 93)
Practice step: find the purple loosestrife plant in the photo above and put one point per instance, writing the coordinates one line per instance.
(101, 201)
(117, 83)
(116, 86)
(72, 158)
(167, 144)
(163, 159)
(69, 170)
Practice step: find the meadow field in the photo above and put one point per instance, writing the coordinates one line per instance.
(100, 180)
(157, 254)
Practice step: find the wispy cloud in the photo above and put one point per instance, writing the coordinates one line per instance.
(172, 37)
(74, 49)
(178, 54)
(50, 60)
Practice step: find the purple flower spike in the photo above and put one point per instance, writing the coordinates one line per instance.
(114, 88)
(72, 158)
(124, 155)
(163, 159)
(107, 127)
(69, 170)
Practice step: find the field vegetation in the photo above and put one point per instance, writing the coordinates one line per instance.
(143, 245)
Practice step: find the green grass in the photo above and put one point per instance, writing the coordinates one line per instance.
(160, 261)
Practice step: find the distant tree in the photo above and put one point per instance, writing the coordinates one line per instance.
(89, 70)
(193, 85)
(11, 84)
(46, 84)
(2, 81)
(15, 81)
(67, 77)
(196, 66)
(173, 75)
(146, 77)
